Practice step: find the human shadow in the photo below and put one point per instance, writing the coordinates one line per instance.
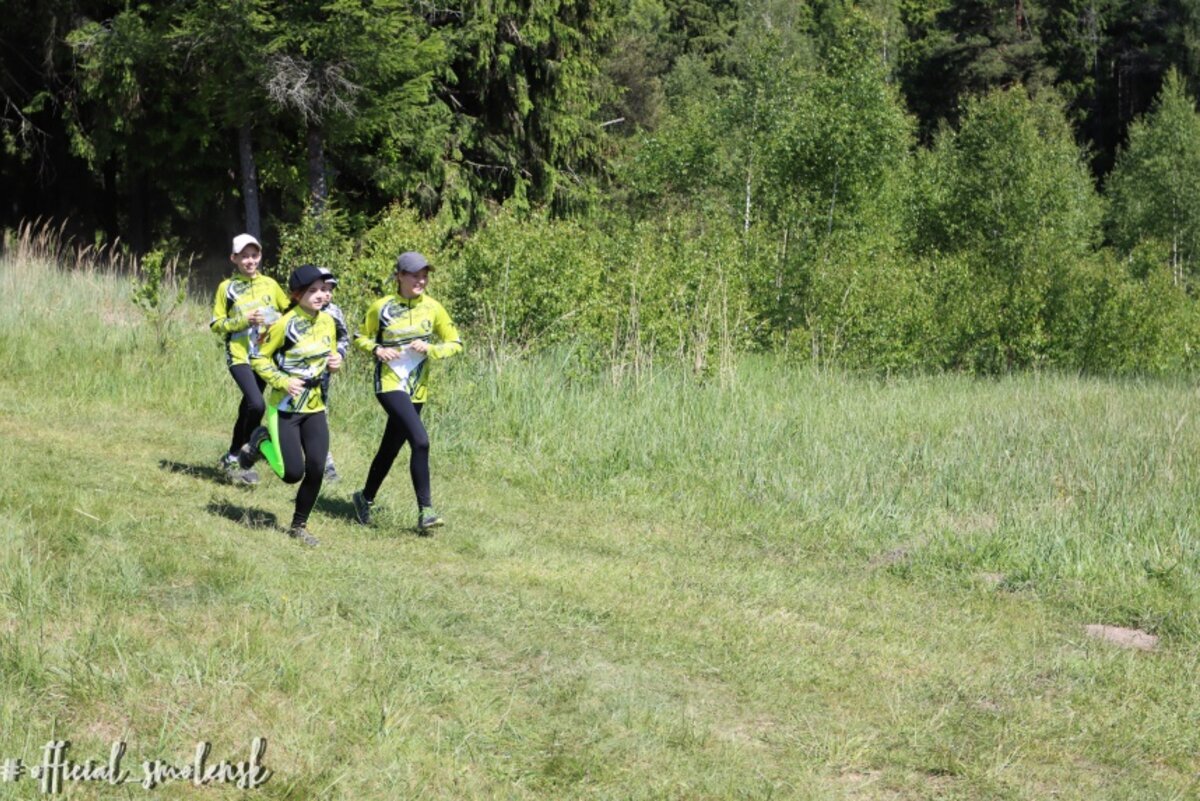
(200, 471)
(387, 523)
(335, 507)
(243, 515)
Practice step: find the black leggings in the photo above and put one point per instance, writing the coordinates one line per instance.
(403, 425)
(303, 444)
(251, 409)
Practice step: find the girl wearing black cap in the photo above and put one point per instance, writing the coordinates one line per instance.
(299, 350)
(399, 331)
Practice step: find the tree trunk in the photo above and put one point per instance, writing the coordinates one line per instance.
(746, 216)
(318, 191)
(137, 199)
(249, 182)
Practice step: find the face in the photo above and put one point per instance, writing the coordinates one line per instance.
(248, 260)
(412, 284)
(315, 297)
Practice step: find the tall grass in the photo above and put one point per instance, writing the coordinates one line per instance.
(1080, 488)
(787, 584)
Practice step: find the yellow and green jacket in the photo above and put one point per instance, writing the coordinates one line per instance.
(236, 298)
(393, 322)
(298, 345)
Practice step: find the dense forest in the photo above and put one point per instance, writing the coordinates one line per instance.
(930, 184)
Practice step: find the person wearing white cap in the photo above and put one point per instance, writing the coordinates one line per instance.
(245, 304)
(399, 331)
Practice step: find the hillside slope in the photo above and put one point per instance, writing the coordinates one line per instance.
(795, 586)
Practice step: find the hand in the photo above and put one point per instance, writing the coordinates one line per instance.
(387, 354)
(334, 363)
(295, 387)
(256, 317)
(419, 345)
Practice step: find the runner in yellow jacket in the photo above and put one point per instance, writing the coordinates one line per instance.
(299, 350)
(245, 304)
(404, 332)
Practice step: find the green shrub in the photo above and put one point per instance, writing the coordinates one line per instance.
(866, 306)
(529, 283)
(1127, 317)
(364, 262)
(159, 292)
(322, 239)
(680, 287)
(1013, 201)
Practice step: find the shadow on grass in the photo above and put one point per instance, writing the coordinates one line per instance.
(340, 508)
(200, 471)
(387, 524)
(243, 515)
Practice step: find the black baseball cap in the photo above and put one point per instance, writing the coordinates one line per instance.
(306, 275)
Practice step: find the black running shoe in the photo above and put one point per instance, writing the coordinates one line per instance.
(233, 472)
(331, 473)
(301, 533)
(428, 519)
(362, 508)
(249, 453)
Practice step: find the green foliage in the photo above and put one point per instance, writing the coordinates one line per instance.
(530, 283)
(226, 62)
(364, 258)
(117, 59)
(523, 86)
(865, 306)
(693, 152)
(631, 80)
(1154, 188)
(401, 228)
(159, 292)
(373, 105)
(678, 286)
(1014, 201)
(831, 140)
(620, 294)
(323, 239)
(765, 188)
(831, 155)
(1128, 317)
(958, 49)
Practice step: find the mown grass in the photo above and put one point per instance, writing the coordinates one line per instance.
(792, 585)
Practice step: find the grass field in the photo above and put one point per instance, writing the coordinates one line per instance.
(791, 585)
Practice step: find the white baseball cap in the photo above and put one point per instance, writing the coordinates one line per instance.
(241, 241)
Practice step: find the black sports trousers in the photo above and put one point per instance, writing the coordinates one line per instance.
(250, 410)
(403, 425)
(303, 443)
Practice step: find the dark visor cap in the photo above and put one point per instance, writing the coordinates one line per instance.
(411, 262)
(306, 275)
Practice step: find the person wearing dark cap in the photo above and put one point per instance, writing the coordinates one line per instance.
(343, 345)
(245, 304)
(300, 349)
(404, 332)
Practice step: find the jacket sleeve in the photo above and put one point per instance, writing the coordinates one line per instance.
(221, 322)
(264, 364)
(282, 301)
(342, 333)
(449, 342)
(367, 338)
